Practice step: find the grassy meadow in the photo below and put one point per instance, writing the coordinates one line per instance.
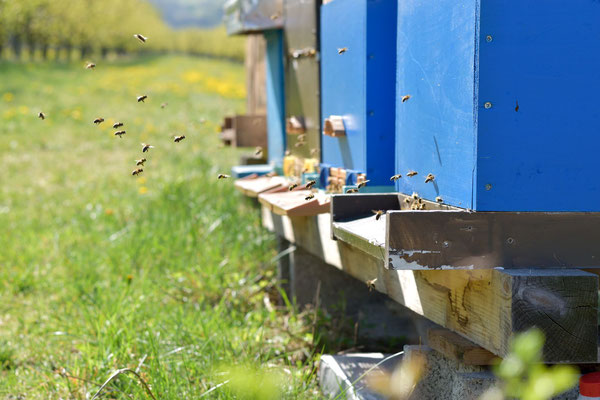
(168, 274)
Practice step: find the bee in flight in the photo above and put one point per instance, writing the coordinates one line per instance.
(41, 115)
(292, 186)
(178, 139)
(139, 162)
(274, 16)
(222, 176)
(314, 152)
(309, 197)
(411, 173)
(310, 184)
(396, 177)
(146, 147)
(163, 105)
(98, 121)
(371, 283)
(429, 178)
(140, 38)
(378, 213)
(298, 144)
(137, 171)
(120, 133)
(352, 190)
(342, 50)
(117, 125)
(362, 184)
(258, 151)
(90, 66)
(405, 98)
(142, 98)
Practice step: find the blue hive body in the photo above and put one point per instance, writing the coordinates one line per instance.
(359, 85)
(275, 97)
(503, 108)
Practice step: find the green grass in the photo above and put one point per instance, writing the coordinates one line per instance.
(100, 270)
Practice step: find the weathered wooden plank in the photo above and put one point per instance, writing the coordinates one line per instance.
(295, 203)
(256, 186)
(256, 89)
(487, 306)
(457, 348)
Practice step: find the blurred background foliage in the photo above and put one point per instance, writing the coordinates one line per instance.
(68, 29)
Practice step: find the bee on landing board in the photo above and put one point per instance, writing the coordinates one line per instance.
(98, 121)
(439, 199)
(139, 162)
(309, 197)
(415, 195)
(378, 214)
(142, 98)
(178, 139)
(120, 133)
(362, 184)
(411, 173)
(146, 147)
(292, 186)
(394, 178)
(140, 38)
(352, 190)
(371, 283)
(137, 171)
(429, 178)
(90, 66)
(342, 50)
(117, 125)
(41, 115)
(310, 184)
(222, 176)
(407, 200)
(405, 98)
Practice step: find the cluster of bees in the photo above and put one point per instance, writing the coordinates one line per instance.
(120, 132)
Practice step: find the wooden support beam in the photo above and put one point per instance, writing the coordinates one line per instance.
(456, 347)
(485, 306)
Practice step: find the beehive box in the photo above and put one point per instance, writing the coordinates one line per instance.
(358, 66)
(248, 16)
(503, 106)
(275, 96)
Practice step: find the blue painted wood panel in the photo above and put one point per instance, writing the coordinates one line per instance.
(435, 128)
(275, 96)
(545, 56)
(358, 85)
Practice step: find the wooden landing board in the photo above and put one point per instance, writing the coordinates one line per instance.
(256, 186)
(456, 347)
(294, 203)
(486, 306)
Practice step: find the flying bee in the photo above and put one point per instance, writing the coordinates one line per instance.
(429, 178)
(222, 176)
(362, 184)
(310, 184)
(411, 173)
(371, 283)
(178, 139)
(299, 144)
(41, 115)
(302, 137)
(258, 151)
(142, 98)
(202, 121)
(378, 214)
(98, 121)
(405, 98)
(120, 133)
(396, 177)
(137, 171)
(287, 153)
(90, 66)
(309, 197)
(271, 174)
(352, 190)
(146, 147)
(292, 186)
(415, 195)
(140, 38)
(342, 50)
(314, 152)
(163, 105)
(139, 162)
(274, 16)
(117, 125)
(517, 107)
(439, 199)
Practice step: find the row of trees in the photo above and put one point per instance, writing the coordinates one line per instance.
(100, 27)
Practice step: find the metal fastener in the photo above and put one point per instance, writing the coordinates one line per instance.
(489, 38)
(487, 104)
(510, 240)
(446, 244)
(488, 186)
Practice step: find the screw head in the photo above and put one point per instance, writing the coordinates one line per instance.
(489, 38)
(510, 240)
(488, 186)
(446, 244)
(487, 104)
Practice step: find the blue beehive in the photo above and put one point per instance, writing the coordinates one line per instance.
(503, 106)
(358, 42)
